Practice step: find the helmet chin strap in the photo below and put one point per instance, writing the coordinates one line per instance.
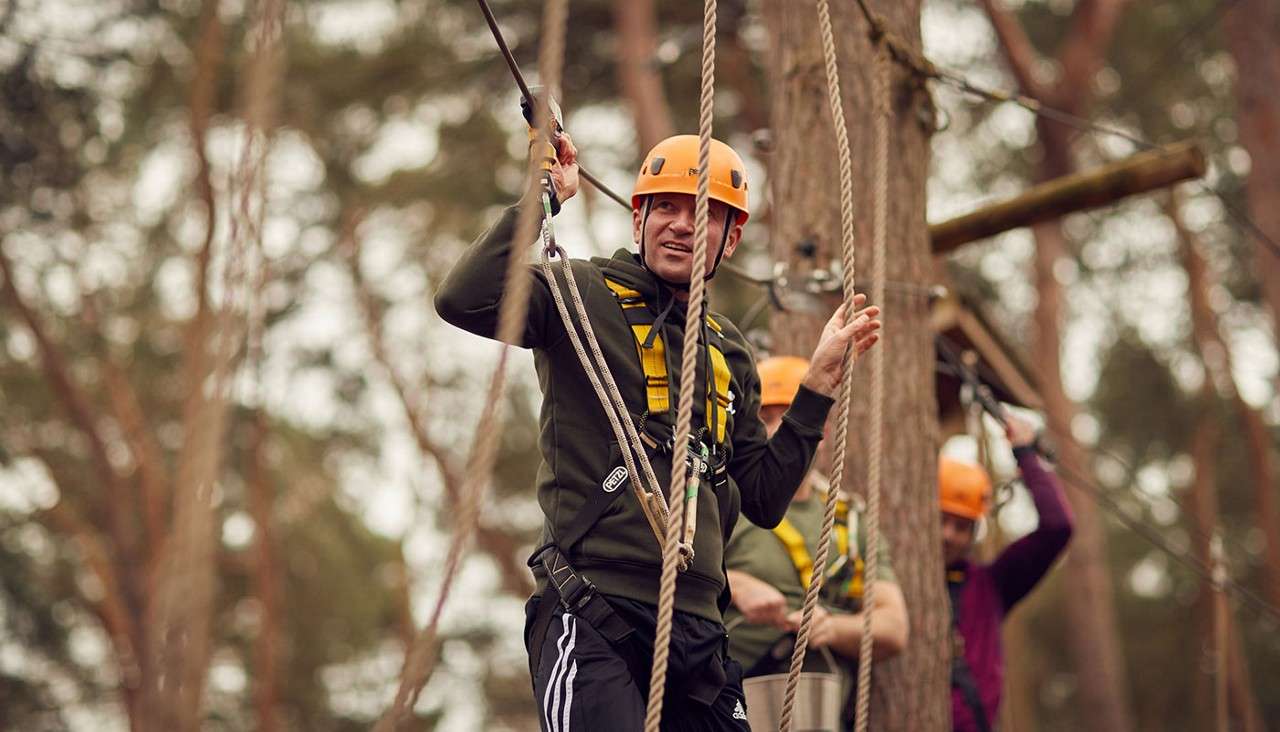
(724, 239)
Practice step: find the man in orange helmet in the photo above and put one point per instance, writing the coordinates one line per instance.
(770, 569)
(590, 633)
(983, 594)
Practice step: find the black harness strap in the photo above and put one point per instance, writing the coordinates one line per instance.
(961, 674)
(579, 597)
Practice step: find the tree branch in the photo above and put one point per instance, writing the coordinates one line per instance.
(498, 544)
(112, 608)
(1016, 47)
(208, 52)
(127, 408)
(1084, 50)
(266, 580)
(349, 246)
(76, 405)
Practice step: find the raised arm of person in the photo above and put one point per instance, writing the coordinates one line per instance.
(769, 470)
(471, 294)
(1024, 562)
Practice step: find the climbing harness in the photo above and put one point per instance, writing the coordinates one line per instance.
(653, 358)
(961, 674)
(849, 556)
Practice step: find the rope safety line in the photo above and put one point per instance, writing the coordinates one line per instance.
(512, 314)
(651, 498)
(836, 103)
(688, 365)
(875, 441)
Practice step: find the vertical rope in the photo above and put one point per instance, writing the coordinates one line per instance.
(836, 104)
(688, 365)
(875, 442)
(512, 314)
(648, 492)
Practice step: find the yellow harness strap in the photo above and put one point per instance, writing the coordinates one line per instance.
(653, 360)
(793, 541)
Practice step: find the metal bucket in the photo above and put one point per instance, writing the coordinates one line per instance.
(818, 701)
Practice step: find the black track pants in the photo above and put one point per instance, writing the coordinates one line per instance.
(583, 683)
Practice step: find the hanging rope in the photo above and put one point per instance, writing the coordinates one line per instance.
(836, 102)
(512, 314)
(652, 501)
(875, 442)
(688, 366)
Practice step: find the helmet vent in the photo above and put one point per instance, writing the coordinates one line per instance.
(736, 178)
(655, 166)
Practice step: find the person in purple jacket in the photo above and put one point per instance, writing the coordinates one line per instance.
(982, 594)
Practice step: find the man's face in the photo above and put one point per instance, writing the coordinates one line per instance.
(957, 537)
(668, 235)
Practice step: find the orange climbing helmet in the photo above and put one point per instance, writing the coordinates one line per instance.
(780, 378)
(672, 167)
(964, 489)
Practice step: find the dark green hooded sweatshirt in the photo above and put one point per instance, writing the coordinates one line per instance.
(620, 554)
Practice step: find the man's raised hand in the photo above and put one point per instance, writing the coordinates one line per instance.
(861, 331)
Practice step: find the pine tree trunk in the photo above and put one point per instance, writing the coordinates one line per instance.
(1090, 609)
(638, 78)
(1218, 383)
(1253, 37)
(911, 691)
(1093, 640)
(1252, 29)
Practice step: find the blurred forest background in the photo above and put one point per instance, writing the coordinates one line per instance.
(334, 410)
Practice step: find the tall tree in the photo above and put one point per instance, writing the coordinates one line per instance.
(909, 692)
(638, 71)
(1094, 640)
(1253, 37)
(1218, 382)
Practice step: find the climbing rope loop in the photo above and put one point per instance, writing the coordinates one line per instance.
(875, 440)
(684, 410)
(814, 589)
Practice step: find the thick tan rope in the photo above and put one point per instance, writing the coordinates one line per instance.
(512, 316)
(652, 501)
(875, 446)
(688, 367)
(836, 103)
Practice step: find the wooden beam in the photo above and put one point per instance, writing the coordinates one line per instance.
(1140, 173)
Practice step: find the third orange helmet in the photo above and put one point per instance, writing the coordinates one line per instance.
(964, 489)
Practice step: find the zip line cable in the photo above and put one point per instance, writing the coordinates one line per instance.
(922, 67)
(1059, 430)
(1152, 535)
(527, 94)
(927, 69)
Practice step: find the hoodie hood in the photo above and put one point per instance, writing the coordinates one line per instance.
(625, 267)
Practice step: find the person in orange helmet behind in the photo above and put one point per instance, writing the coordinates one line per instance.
(769, 572)
(983, 594)
(590, 633)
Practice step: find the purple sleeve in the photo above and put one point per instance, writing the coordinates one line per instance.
(1024, 562)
